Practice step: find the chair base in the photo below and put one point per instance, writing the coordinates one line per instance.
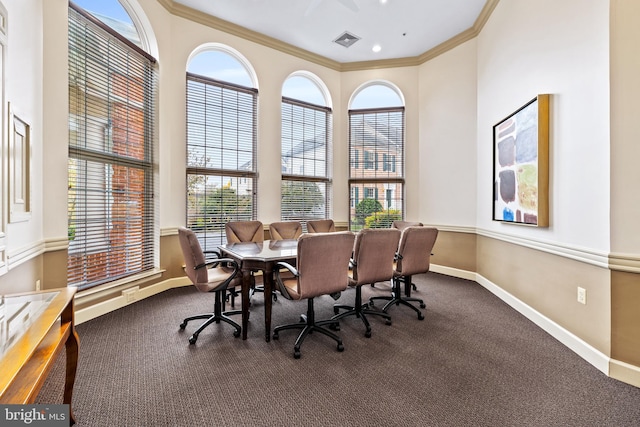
(359, 310)
(216, 317)
(396, 297)
(308, 326)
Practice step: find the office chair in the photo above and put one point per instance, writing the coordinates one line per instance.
(208, 276)
(372, 261)
(401, 225)
(245, 231)
(285, 230)
(322, 264)
(413, 257)
(321, 226)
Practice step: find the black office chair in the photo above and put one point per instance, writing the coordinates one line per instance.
(372, 261)
(413, 257)
(322, 264)
(208, 276)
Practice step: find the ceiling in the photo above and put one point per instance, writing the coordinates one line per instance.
(402, 28)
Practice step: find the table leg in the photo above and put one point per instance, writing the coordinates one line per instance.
(70, 377)
(71, 348)
(268, 301)
(246, 285)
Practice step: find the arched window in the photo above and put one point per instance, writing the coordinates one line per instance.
(112, 83)
(376, 156)
(221, 142)
(306, 150)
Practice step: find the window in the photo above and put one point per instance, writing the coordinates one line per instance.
(221, 147)
(306, 147)
(377, 132)
(112, 83)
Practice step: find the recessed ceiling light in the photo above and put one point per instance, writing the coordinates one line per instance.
(376, 48)
(383, 1)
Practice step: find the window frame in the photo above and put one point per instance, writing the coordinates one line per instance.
(115, 237)
(305, 178)
(212, 232)
(368, 176)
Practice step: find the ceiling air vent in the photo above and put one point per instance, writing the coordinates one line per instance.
(346, 39)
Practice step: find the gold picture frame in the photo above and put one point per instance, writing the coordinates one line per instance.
(19, 168)
(521, 165)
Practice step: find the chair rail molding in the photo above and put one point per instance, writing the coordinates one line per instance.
(588, 256)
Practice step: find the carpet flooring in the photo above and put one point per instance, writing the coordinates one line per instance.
(473, 361)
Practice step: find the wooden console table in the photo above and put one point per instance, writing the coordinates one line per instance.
(33, 328)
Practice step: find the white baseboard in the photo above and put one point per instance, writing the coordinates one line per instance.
(624, 372)
(579, 346)
(127, 297)
(576, 344)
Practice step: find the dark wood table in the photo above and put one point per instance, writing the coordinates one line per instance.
(33, 328)
(259, 256)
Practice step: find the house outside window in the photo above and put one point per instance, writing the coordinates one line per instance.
(376, 128)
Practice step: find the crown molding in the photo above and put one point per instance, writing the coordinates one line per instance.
(194, 15)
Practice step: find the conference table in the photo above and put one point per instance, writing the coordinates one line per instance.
(263, 256)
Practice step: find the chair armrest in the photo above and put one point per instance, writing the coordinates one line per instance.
(288, 266)
(281, 287)
(227, 261)
(217, 253)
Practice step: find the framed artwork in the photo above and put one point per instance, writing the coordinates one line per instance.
(521, 165)
(19, 168)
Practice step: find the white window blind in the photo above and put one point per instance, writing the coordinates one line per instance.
(110, 193)
(306, 151)
(376, 169)
(221, 159)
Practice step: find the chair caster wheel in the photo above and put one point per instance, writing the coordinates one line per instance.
(388, 322)
(420, 316)
(367, 334)
(193, 339)
(340, 347)
(275, 336)
(296, 354)
(236, 333)
(334, 326)
(183, 325)
(336, 310)
(275, 297)
(423, 305)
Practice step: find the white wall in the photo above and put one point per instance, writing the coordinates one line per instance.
(24, 91)
(561, 48)
(447, 129)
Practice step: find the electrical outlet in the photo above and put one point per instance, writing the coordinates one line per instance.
(582, 295)
(38, 285)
